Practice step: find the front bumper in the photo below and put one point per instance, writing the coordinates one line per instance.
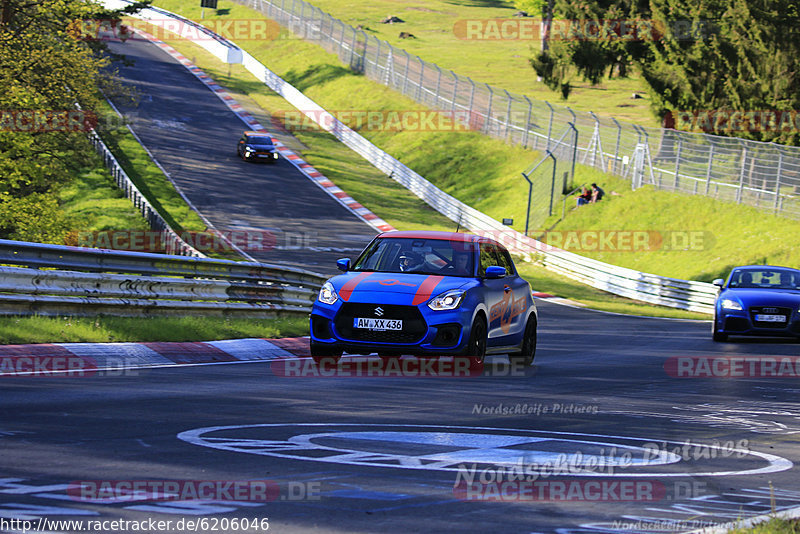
(743, 323)
(434, 332)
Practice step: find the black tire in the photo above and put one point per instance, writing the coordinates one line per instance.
(528, 352)
(476, 346)
(716, 335)
(324, 354)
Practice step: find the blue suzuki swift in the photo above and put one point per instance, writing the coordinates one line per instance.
(426, 293)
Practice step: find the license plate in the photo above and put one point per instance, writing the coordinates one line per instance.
(377, 324)
(770, 318)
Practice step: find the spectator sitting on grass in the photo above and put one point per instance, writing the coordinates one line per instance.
(597, 193)
(584, 197)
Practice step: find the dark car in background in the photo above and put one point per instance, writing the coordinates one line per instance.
(426, 293)
(758, 300)
(257, 146)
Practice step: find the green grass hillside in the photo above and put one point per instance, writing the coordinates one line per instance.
(485, 173)
(500, 63)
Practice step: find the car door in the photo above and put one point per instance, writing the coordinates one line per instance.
(495, 294)
(518, 291)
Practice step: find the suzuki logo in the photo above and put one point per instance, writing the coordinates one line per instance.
(379, 311)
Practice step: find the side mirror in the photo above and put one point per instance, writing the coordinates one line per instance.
(343, 264)
(719, 282)
(495, 272)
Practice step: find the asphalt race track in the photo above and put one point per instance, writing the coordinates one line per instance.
(383, 453)
(624, 424)
(193, 135)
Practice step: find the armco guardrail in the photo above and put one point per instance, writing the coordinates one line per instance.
(654, 289)
(172, 241)
(764, 175)
(54, 279)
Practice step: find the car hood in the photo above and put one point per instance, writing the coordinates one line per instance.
(261, 147)
(764, 297)
(398, 288)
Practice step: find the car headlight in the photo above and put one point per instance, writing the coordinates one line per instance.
(327, 294)
(728, 304)
(248, 149)
(449, 300)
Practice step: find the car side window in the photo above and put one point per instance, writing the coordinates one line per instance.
(488, 257)
(504, 260)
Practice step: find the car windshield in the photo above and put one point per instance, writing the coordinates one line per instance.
(420, 256)
(259, 140)
(765, 278)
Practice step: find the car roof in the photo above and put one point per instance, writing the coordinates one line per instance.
(253, 132)
(459, 237)
(766, 268)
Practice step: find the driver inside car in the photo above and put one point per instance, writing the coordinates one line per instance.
(410, 261)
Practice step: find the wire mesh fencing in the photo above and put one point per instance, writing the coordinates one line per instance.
(764, 175)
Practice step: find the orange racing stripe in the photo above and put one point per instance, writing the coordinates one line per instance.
(426, 289)
(350, 286)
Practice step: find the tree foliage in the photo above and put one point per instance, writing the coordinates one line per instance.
(45, 67)
(701, 57)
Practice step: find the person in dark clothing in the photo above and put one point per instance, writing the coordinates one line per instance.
(597, 193)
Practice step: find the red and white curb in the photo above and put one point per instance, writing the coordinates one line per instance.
(53, 359)
(307, 169)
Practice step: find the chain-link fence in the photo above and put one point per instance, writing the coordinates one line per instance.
(765, 175)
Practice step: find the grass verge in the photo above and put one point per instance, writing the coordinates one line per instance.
(438, 27)
(105, 329)
(481, 172)
(773, 526)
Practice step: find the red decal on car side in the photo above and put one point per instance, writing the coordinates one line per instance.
(426, 289)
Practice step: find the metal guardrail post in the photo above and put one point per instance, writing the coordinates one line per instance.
(741, 176)
(455, 91)
(616, 146)
(526, 129)
(710, 163)
(438, 85)
(508, 113)
(405, 76)
(471, 95)
(421, 79)
(778, 181)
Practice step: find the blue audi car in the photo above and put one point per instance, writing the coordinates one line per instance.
(426, 293)
(758, 300)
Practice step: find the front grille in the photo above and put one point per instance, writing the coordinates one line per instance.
(736, 324)
(414, 327)
(770, 310)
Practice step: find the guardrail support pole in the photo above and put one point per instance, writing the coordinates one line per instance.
(710, 163)
(778, 180)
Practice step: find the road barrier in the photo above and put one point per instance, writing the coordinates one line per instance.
(54, 279)
(650, 288)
